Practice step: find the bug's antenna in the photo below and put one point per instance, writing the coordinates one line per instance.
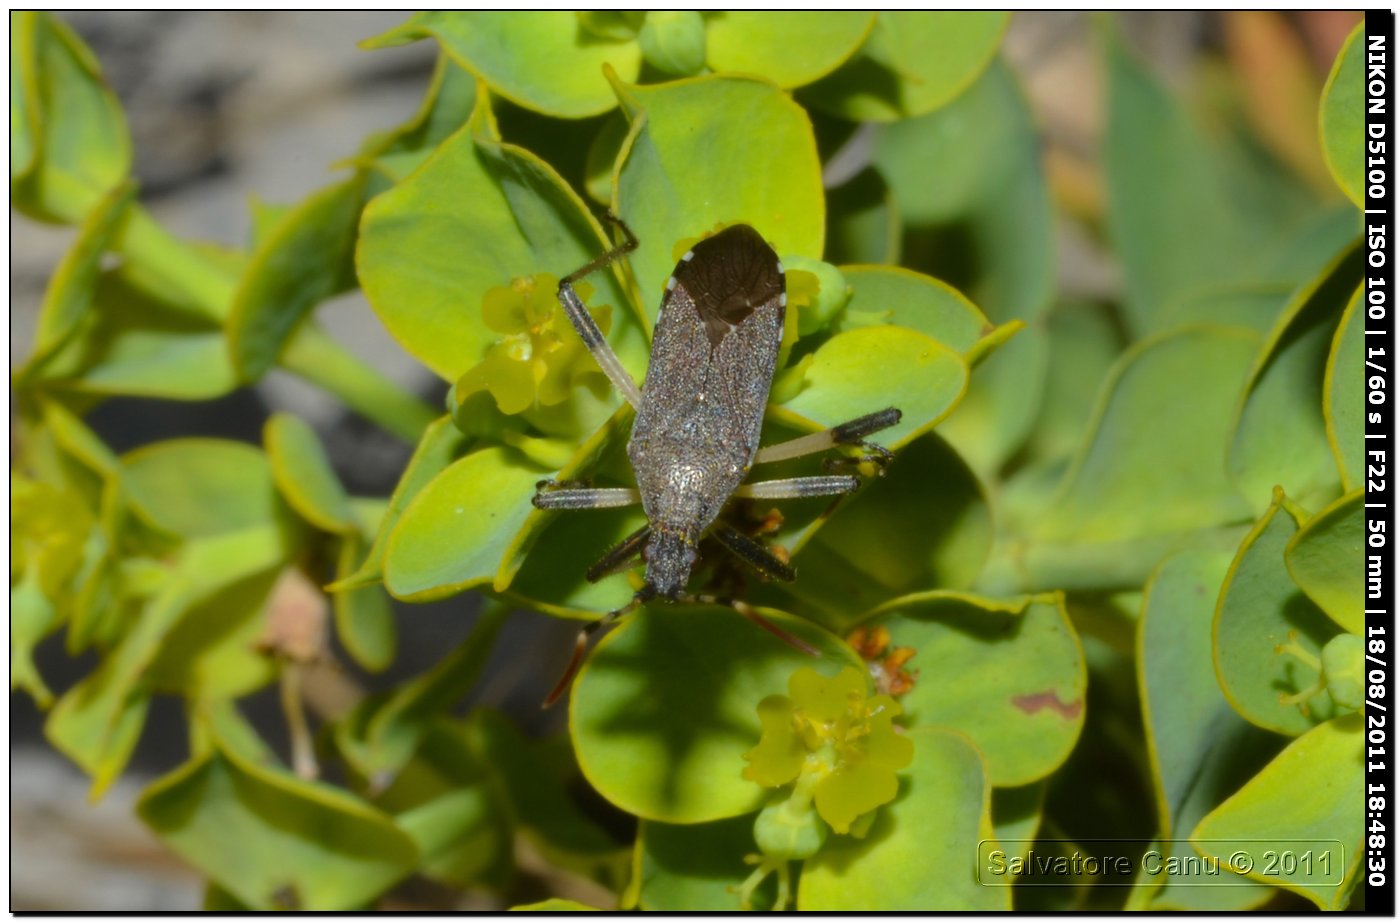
(581, 643)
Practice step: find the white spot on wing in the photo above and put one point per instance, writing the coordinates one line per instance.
(781, 270)
(782, 299)
(689, 255)
(671, 283)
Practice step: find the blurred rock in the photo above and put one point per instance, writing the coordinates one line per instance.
(69, 855)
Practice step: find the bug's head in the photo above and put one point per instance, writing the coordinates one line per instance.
(669, 558)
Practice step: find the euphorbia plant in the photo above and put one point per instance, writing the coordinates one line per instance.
(1067, 475)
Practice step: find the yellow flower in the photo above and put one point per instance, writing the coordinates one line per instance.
(539, 359)
(838, 743)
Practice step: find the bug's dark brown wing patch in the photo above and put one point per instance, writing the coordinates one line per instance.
(728, 277)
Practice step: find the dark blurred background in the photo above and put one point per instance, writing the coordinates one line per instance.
(224, 106)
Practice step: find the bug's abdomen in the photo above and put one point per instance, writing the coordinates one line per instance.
(700, 422)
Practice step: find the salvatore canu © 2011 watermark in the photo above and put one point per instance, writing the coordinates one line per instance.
(1117, 862)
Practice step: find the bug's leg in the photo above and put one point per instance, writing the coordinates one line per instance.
(548, 495)
(748, 611)
(754, 554)
(622, 557)
(800, 487)
(851, 433)
(588, 330)
(581, 643)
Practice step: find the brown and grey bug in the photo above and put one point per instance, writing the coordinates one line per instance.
(699, 414)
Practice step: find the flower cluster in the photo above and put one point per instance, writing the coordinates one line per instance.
(539, 358)
(839, 744)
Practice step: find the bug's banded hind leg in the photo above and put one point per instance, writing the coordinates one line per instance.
(754, 554)
(549, 495)
(800, 487)
(851, 433)
(622, 557)
(588, 330)
(581, 644)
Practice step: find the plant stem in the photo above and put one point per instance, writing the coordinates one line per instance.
(193, 277)
(303, 749)
(313, 355)
(199, 282)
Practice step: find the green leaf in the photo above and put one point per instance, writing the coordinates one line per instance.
(73, 285)
(302, 845)
(364, 617)
(395, 723)
(673, 41)
(554, 904)
(1341, 116)
(458, 530)
(78, 441)
(584, 460)
(1150, 462)
(921, 376)
(900, 297)
(1083, 341)
(546, 60)
(912, 63)
(1259, 611)
(24, 119)
(688, 164)
(1309, 247)
(212, 650)
(552, 577)
(136, 343)
(199, 487)
(1186, 210)
(696, 868)
(1256, 305)
(32, 617)
(1010, 675)
(304, 259)
(602, 158)
(1280, 430)
(1201, 750)
(217, 899)
(986, 227)
(788, 47)
(446, 107)
(445, 799)
(918, 854)
(1310, 792)
(541, 803)
(74, 145)
(998, 413)
(1326, 557)
(990, 210)
(931, 500)
(304, 475)
(668, 700)
(862, 221)
(1018, 814)
(441, 443)
(1344, 397)
(513, 213)
(96, 723)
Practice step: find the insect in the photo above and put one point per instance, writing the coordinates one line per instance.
(699, 413)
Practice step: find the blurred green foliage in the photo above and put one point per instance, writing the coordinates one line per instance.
(1115, 557)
